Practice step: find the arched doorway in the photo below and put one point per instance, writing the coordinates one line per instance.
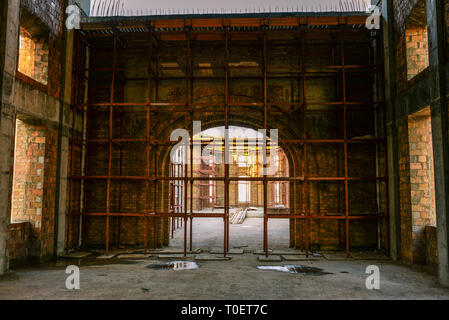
(242, 215)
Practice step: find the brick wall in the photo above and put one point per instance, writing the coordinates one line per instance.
(33, 56)
(41, 61)
(18, 243)
(324, 159)
(431, 246)
(417, 51)
(417, 189)
(28, 174)
(405, 193)
(51, 13)
(34, 185)
(422, 183)
(49, 196)
(416, 180)
(26, 53)
(403, 10)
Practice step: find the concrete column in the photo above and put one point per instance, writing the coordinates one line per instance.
(65, 124)
(440, 134)
(62, 197)
(391, 130)
(9, 33)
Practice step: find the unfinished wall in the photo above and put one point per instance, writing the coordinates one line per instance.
(28, 184)
(417, 51)
(129, 196)
(410, 30)
(34, 185)
(35, 100)
(202, 194)
(414, 63)
(50, 14)
(422, 181)
(33, 56)
(18, 243)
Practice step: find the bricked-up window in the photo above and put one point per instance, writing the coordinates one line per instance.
(416, 41)
(28, 180)
(422, 182)
(33, 48)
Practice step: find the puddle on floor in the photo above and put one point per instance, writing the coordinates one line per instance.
(295, 269)
(174, 265)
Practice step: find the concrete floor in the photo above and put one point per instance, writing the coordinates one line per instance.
(208, 234)
(238, 279)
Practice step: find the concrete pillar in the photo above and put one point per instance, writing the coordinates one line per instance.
(392, 135)
(62, 196)
(63, 148)
(440, 134)
(9, 32)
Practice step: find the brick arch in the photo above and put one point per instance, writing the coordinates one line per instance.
(293, 154)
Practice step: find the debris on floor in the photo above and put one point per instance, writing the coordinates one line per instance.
(289, 252)
(106, 256)
(174, 251)
(134, 256)
(174, 265)
(369, 256)
(171, 256)
(295, 269)
(254, 212)
(238, 216)
(298, 258)
(336, 256)
(77, 255)
(211, 257)
(260, 252)
(271, 258)
(230, 251)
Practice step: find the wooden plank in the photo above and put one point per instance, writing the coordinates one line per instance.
(211, 23)
(291, 21)
(318, 21)
(178, 23)
(245, 22)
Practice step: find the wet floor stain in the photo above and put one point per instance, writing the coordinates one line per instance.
(174, 265)
(295, 269)
(64, 262)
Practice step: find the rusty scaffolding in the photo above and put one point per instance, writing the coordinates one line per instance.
(206, 192)
(176, 195)
(184, 30)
